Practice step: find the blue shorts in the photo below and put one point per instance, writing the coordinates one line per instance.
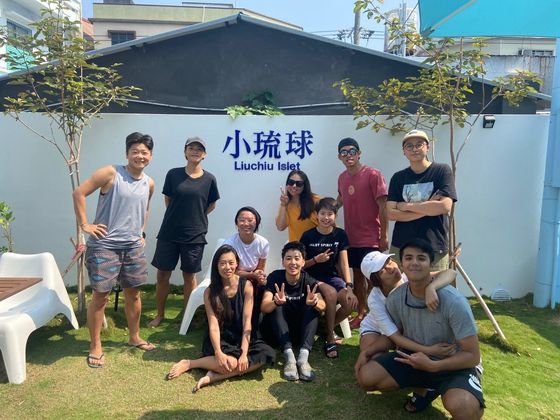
(408, 377)
(335, 282)
(107, 266)
(167, 255)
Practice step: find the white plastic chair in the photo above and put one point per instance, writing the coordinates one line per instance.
(30, 309)
(196, 298)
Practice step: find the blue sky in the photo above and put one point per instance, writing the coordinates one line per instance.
(324, 17)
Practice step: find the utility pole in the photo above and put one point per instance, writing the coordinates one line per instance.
(357, 28)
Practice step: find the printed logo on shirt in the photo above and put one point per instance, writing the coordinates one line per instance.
(351, 190)
(417, 193)
(295, 297)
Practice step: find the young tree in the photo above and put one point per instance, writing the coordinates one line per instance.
(58, 79)
(439, 94)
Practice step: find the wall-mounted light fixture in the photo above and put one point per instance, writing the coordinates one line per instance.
(488, 121)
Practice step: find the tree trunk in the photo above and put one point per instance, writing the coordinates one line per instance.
(73, 169)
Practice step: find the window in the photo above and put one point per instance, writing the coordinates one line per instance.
(16, 31)
(121, 36)
(20, 57)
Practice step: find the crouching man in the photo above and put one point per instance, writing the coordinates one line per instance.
(292, 305)
(453, 377)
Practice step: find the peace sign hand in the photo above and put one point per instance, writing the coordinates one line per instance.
(279, 297)
(312, 299)
(323, 256)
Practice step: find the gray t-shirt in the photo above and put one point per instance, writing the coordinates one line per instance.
(453, 320)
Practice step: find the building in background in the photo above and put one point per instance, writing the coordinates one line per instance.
(117, 21)
(506, 55)
(17, 17)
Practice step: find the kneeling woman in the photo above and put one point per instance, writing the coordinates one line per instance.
(228, 349)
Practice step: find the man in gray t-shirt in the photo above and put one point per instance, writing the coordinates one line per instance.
(452, 377)
(115, 249)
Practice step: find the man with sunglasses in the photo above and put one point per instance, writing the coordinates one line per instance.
(420, 199)
(363, 192)
(453, 377)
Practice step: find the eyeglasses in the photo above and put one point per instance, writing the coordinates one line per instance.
(348, 152)
(410, 147)
(409, 305)
(294, 183)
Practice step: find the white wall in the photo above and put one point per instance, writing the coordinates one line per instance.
(499, 183)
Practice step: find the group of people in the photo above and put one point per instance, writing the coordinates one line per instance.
(326, 269)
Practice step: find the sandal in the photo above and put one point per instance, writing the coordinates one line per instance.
(331, 350)
(417, 403)
(90, 358)
(145, 346)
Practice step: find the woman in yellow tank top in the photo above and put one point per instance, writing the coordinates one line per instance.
(297, 206)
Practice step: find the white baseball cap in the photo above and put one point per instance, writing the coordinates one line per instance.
(373, 262)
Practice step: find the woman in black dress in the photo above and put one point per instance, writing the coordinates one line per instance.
(228, 349)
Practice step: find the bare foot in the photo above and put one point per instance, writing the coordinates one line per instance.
(179, 368)
(155, 322)
(205, 380)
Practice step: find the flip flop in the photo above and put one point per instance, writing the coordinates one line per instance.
(417, 403)
(91, 357)
(145, 346)
(331, 348)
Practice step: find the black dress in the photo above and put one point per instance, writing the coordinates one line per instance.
(231, 333)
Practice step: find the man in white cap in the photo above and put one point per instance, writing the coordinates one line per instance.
(420, 199)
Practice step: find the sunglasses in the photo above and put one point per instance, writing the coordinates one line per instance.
(349, 152)
(408, 304)
(294, 183)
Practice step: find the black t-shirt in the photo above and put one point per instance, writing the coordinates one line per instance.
(407, 186)
(296, 294)
(315, 243)
(185, 219)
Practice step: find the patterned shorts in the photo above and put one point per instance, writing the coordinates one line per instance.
(107, 266)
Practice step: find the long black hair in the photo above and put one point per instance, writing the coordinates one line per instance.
(306, 197)
(218, 297)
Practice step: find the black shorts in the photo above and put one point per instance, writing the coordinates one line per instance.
(408, 377)
(167, 254)
(356, 255)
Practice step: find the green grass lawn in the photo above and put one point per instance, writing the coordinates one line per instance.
(521, 380)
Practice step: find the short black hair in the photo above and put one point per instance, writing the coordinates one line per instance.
(250, 210)
(295, 245)
(139, 138)
(348, 141)
(327, 203)
(420, 244)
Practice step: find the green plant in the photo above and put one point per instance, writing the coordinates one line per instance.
(255, 104)
(440, 94)
(59, 80)
(6, 219)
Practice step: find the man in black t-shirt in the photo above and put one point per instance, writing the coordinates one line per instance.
(292, 306)
(420, 199)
